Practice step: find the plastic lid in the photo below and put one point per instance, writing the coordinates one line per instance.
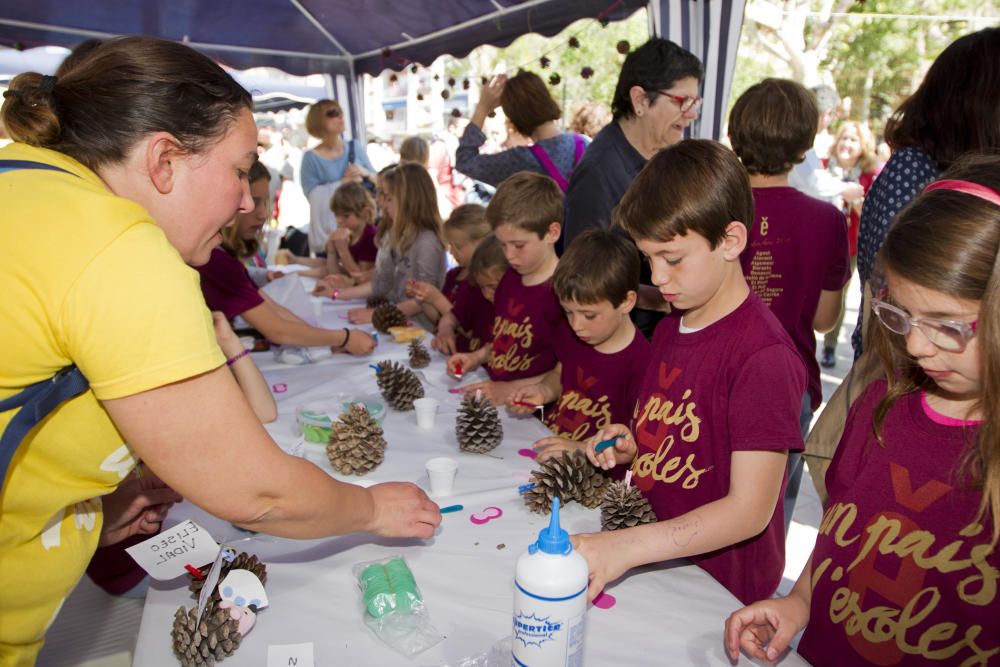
(553, 540)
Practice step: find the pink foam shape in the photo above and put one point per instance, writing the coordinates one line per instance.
(486, 515)
(604, 600)
(280, 388)
(528, 453)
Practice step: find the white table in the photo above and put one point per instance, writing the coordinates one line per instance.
(672, 614)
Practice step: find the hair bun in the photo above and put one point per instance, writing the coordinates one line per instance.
(28, 112)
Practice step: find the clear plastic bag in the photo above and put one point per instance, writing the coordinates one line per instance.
(497, 655)
(393, 607)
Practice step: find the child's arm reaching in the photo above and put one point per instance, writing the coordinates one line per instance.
(545, 391)
(445, 341)
(429, 296)
(766, 628)
(247, 375)
(754, 486)
(827, 310)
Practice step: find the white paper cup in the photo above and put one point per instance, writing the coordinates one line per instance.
(426, 409)
(441, 472)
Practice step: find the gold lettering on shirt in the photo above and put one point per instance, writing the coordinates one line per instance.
(660, 416)
(521, 334)
(763, 225)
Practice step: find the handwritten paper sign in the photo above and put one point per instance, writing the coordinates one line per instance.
(290, 655)
(164, 556)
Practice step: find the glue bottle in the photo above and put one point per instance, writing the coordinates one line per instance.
(550, 600)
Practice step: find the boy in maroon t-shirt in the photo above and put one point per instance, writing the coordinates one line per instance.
(469, 324)
(797, 258)
(719, 403)
(602, 356)
(525, 215)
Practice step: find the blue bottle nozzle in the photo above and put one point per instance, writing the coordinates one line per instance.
(553, 540)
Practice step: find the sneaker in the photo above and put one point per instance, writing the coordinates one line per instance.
(829, 359)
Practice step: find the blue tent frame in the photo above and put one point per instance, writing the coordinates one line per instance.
(348, 38)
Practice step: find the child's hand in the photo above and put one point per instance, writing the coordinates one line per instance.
(623, 451)
(422, 291)
(531, 394)
(466, 360)
(228, 341)
(603, 553)
(495, 392)
(339, 238)
(445, 342)
(555, 445)
(766, 628)
(358, 343)
(284, 256)
(274, 275)
(339, 280)
(359, 315)
(324, 287)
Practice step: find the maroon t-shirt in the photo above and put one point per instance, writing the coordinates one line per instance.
(735, 385)
(598, 389)
(474, 314)
(364, 249)
(524, 328)
(227, 286)
(797, 248)
(898, 576)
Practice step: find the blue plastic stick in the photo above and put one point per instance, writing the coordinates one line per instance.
(378, 369)
(525, 488)
(452, 508)
(604, 444)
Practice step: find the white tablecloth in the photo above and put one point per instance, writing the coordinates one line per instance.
(672, 614)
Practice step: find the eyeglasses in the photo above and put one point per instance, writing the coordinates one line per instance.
(948, 335)
(683, 102)
(334, 113)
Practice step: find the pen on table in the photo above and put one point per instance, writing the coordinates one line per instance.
(526, 404)
(604, 444)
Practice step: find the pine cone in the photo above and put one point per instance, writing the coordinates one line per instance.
(202, 644)
(478, 427)
(399, 386)
(243, 561)
(374, 302)
(570, 476)
(387, 315)
(357, 445)
(419, 356)
(624, 506)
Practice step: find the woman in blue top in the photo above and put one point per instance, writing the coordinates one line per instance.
(332, 161)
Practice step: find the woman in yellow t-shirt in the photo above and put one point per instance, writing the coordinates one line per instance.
(147, 144)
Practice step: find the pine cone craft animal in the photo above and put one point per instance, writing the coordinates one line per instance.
(570, 476)
(478, 428)
(624, 506)
(419, 356)
(386, 316)
(214, 638)
(243, 561)
(399, 386)
(357, 444)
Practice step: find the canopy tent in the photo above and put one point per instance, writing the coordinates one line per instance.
(347, 38)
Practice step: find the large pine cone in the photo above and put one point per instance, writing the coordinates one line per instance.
(570, 476)
(202, 644)
(478, 428)
(419, 356)
(374, 302)
(399, 386)
(243, 561)
(387, 315)
(357, 445)
(624, 506)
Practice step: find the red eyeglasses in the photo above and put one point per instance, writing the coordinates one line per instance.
(683, 102)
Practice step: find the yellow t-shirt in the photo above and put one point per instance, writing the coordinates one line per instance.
(87, 278)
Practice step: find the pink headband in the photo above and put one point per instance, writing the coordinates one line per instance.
(968, 187)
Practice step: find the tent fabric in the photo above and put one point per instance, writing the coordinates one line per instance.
(348, 38)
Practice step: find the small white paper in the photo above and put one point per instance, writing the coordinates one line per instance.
(243, 589)
(164, 556)
(226, 553)
(290, 655)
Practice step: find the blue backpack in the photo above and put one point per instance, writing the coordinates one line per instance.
(38, 400)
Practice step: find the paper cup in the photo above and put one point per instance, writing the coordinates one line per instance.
(426, 409)
(441, 472)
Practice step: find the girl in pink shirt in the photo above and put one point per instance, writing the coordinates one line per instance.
(905, 567)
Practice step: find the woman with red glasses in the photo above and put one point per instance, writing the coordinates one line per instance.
(333, 160)
(905, 567)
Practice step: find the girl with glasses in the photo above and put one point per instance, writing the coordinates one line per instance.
(905, 566)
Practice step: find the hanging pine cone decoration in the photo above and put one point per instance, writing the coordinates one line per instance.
(587, 72)
(624, 506)
(357, 443)
(574, 43)
(555, 79)
(570, 477)
(243, 561)
(623, 47)
(203, 644)
(374, 302)
(419, 356)
(399, 386)
(387, 315)
(478, 427)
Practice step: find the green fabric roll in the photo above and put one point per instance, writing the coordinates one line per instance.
(388, 588)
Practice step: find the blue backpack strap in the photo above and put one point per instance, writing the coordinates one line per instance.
(38, 400)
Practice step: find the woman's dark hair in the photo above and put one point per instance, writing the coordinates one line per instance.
(79, 53)
(127, 88)
(526, 101)
(957, 106)
(656, 65)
